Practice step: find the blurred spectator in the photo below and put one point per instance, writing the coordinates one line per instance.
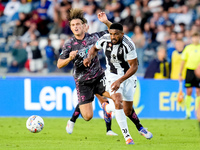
(167, 4)
(2, 18)
(128, 19)
(26, 37)
(25, 7)
(185, 16)
(162, 34)
(126, 31)
(90, 15)
(139, 41)
(42, 12)
(77, 4)
(51, 57)
(19, 55)
(34, 55)
(176, 61)
(11, 8)
(147, 34)
(159, 67)
(115, 7)
(42, 9)
(171, 45)
(187, 37)
(139, 18)
(54, 6)
(20, 25)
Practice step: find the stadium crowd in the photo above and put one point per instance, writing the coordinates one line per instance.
(32, 32)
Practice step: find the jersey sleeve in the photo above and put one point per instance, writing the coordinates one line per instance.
(66, 49)
(132, 55)
(130, 48)
(99, 43)
(184, 55)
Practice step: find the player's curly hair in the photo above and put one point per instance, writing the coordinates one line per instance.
(76, 14)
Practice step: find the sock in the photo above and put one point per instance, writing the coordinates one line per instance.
(108, 123)
(197, 100)
(188, 100)
(134, 118)
(122, 122)
(110, 107)
(108, 126)
(75, 114)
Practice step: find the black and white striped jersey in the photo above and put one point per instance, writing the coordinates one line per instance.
(117, 55)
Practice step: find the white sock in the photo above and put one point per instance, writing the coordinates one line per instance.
(122, 122)
(110, 107)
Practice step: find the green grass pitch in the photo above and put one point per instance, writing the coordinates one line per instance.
(167, 135)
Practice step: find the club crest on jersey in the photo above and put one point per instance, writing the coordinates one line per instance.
(110, 44)
(114, 59)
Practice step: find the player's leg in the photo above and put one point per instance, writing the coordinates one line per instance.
(130, 113)
(107, 116)
(197, 100)
(85, 97)
(188, 99)
(128, 94)
(71, 122)
(77, 111)
(121, 117)
(86, 111)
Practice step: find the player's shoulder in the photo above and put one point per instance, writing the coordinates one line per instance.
(127, 42)
(105, 37)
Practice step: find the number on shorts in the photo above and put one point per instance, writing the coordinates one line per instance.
(104, 81)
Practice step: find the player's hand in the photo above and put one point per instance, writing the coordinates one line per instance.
(73, 54)
(115, 86)
(87, 62)
(102, 17)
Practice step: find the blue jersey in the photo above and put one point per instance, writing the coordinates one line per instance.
(80, 72)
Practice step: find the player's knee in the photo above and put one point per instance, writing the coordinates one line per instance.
(127, 111)
(87, 117)
(118, 101)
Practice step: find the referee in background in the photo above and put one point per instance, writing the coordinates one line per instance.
(191, 58)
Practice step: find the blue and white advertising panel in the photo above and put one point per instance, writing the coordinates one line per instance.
(56, 97)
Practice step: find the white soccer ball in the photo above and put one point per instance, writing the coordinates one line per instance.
(35, 124)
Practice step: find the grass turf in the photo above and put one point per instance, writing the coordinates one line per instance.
(167, 135)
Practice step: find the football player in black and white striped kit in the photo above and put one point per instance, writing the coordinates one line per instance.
(121, 66)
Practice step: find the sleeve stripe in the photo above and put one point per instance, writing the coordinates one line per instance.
(129, 43)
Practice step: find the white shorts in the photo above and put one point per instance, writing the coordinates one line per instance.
(127, 88)
(36, 64)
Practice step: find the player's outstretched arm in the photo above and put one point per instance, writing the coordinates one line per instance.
(92, 53)
(103, 18)
(64, 62)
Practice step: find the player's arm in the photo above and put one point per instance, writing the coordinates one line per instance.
(64, 62)
(92, 53)
(131, 71)
(181, 70)
(103, 18)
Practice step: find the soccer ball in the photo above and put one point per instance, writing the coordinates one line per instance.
(35, 124)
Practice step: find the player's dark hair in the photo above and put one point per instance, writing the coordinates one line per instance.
(76, 14)
(116, 26)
